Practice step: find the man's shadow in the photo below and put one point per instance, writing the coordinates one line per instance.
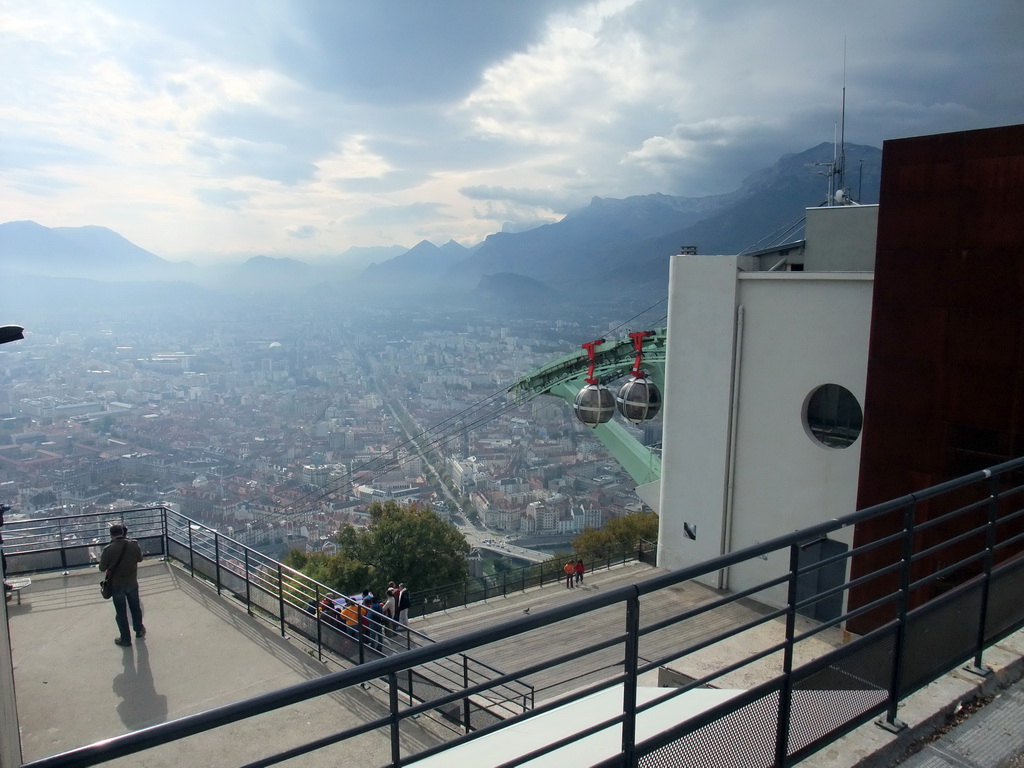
(140, 705)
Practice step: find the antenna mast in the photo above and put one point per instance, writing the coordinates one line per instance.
(841, 168)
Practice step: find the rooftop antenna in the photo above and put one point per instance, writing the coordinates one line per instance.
(835, 171)
(841, 167)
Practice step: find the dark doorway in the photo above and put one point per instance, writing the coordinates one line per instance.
(821, 579)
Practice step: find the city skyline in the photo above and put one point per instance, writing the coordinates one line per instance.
(307, 128)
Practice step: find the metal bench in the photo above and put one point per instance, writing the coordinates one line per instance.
(14, 587)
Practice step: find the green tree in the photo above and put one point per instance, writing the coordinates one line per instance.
(401, 543)
(339, 572)
(617, 535)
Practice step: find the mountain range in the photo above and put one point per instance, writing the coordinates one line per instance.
(612, 247)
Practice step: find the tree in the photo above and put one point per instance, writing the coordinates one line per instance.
(402, 543)
(618, 535)
(338, 572)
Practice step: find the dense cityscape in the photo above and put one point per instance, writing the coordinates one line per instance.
(279, 428)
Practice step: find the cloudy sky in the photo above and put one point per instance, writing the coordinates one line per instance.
(214, 129)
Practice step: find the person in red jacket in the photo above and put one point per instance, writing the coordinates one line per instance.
(580, 568)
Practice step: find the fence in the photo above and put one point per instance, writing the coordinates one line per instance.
(272, 591)
(801, 691)
(477, 589)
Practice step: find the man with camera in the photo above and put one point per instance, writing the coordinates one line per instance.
(120, 562)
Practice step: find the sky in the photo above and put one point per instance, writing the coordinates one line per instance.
(213, 130)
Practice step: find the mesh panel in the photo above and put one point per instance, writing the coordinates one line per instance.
(744, 737)
(827, 699)
(939, 635)
(1005, 608)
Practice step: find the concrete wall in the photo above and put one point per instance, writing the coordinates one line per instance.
(785, 334)
(698, 386)
(841, 238)
(800, 331)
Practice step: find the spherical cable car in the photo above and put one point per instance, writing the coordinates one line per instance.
(639, 399)
(594, 404)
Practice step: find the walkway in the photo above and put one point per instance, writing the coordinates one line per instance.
(75, 687)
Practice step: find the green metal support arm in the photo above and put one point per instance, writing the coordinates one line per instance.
(612, 360)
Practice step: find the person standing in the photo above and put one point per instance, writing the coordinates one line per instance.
(570, 574)
(390, 611)
(120, 562)
(403, 605)
(351, 617)
(580, 568)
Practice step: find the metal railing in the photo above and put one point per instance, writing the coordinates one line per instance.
(480, 588)
(272, 591)
(805, 691)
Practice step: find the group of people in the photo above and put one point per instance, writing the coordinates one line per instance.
(367, 616)
(364, 616)
(573, 573)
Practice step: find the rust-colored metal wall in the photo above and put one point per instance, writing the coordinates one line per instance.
(945, 379)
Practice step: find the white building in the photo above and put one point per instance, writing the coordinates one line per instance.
(750, 451)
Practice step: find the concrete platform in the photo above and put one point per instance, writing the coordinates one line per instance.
(75, 687)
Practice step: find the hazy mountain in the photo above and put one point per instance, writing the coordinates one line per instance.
(557, 252)
(611, 248)
(419, 269)
(613, 243)
(770, 212)
(264, 273)
(90, 252)
(506, 291)
(357, 258)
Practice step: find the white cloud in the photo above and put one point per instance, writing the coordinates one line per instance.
(302, 231)
(193, 128)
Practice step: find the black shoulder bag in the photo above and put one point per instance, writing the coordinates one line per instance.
(105, 587)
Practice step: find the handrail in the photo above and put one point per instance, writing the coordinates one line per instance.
(476, 589)
(216, 557)
(763, 713)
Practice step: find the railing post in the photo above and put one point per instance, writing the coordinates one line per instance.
(248, 594)
(319, 625)
(396, 752)
(465, 699)
(63, 550)
(191, 553)
(280, 597)
(360, 633)
(891, 722)
(216, 559)
(165, 543)
(786, 692)
(629, 686)
(977, 667)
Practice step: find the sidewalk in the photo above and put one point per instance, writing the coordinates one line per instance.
(991, 737)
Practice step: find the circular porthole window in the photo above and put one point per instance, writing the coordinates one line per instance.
(833, 417)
